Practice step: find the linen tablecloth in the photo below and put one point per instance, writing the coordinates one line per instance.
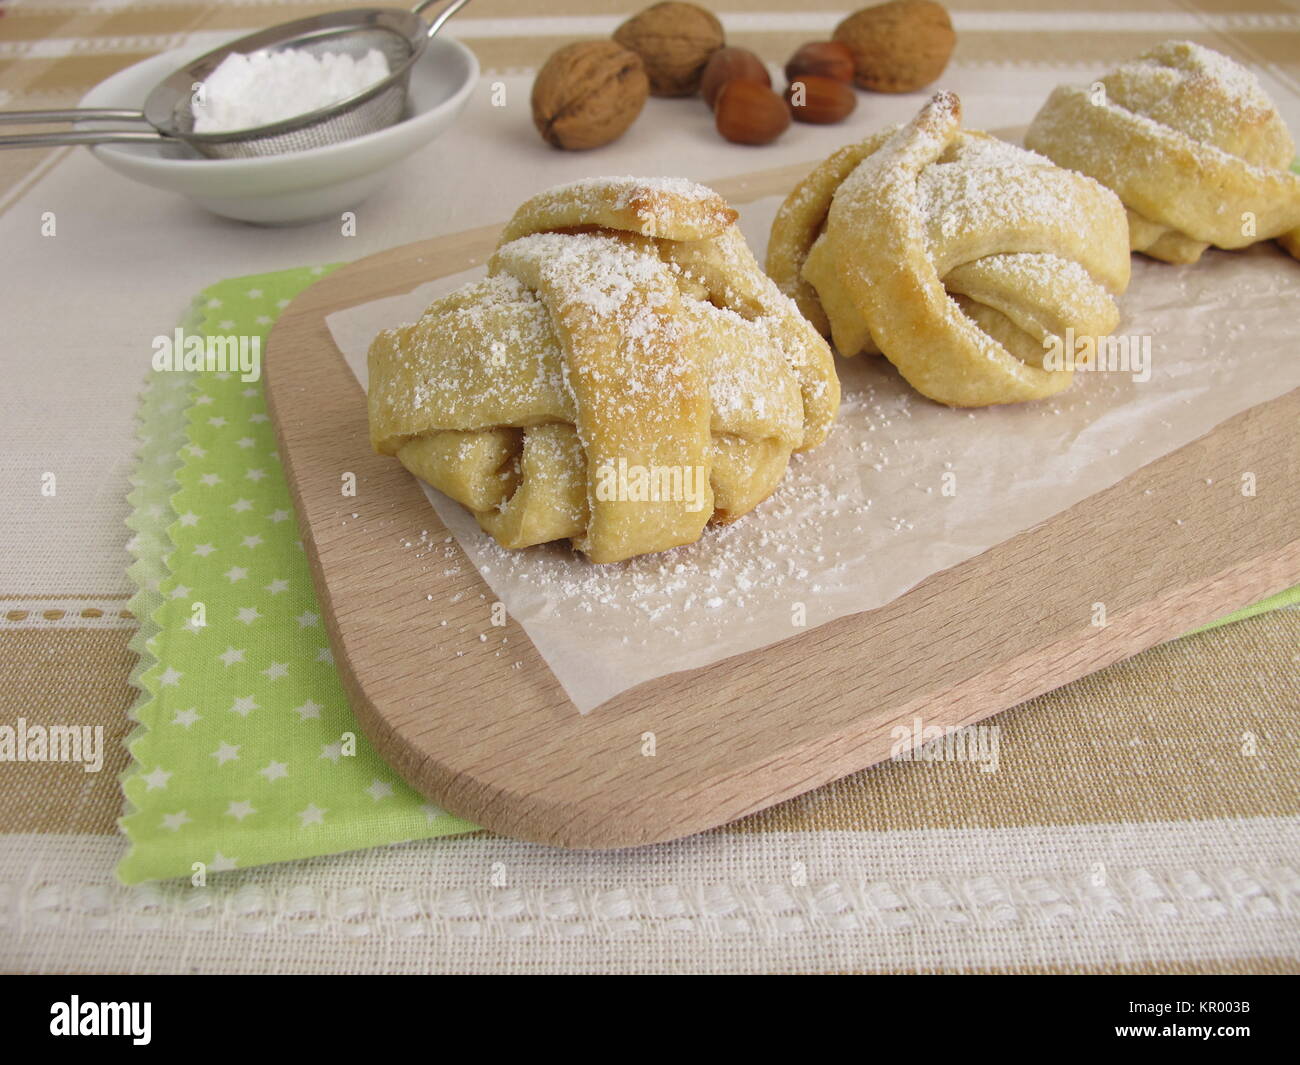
(1141, 819)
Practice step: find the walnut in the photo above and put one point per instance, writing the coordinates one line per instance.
(900, 46)
(588, 94)
(676, 41)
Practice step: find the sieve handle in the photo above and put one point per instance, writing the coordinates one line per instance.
(437, 23)
(54, 140)
(74, 136)
(70, 114)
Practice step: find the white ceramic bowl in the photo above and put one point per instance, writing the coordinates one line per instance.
(288, 189)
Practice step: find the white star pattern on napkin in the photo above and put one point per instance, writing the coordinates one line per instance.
(240, 810)
(244, 705)
(157, 779)
(379, 789)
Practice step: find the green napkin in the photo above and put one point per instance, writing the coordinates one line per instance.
(1288, 597)
(246, 750)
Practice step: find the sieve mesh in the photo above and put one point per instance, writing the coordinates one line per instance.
(365, 117)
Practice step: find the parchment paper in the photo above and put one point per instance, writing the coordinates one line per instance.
(902, 489)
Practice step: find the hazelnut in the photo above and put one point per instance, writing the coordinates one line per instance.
(746, 112)
(731, 64)
(823, 59)
(820, 100)
(900, 46)
(675, 40)
(588, 94)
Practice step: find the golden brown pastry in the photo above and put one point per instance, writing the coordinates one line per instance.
(957, 255)
(1192, 145)
(624, 375)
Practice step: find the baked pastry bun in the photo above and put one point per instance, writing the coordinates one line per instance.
(1192, 145)
(957, 255)
(624, 375)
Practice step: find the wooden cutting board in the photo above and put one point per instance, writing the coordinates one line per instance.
(502, 745)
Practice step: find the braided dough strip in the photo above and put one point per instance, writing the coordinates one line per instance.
(591, 344)
(877, 233)
(799, 223)
(657, 415)
(726, 269)
(699, 236)
(626, 204)
(1188, 186)
(957, 272)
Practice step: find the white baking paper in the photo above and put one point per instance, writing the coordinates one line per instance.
(902, 489)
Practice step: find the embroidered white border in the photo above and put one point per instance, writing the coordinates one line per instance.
(1066, 896)
(64, 612)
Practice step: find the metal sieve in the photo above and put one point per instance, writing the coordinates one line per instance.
(399, 35)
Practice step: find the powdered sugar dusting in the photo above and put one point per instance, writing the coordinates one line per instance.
(655, 202)
(462, 390)
(1225, 94)
(1192, 89)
